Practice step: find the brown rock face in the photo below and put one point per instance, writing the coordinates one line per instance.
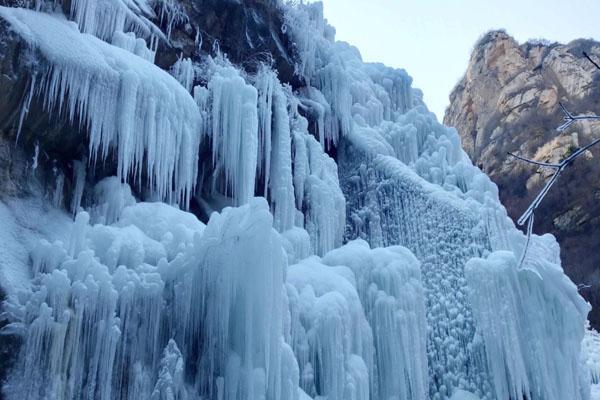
(508, 101)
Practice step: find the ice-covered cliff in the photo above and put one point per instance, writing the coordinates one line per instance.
(232, 233)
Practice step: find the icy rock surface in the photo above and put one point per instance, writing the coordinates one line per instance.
(125, 102)
(378, 263)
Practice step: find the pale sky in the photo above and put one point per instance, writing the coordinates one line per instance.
(433, 39)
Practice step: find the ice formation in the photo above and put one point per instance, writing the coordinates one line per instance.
(138, 294)
(511, 308)
(591, 347)
(378, 263)
(265, 84)
(170, 382)
(124, 102)
(128, 41)
(317, 190)
(79, 175)
(234, 131)
(396, 163)
(104, 17)
(281, 187)
(183, 71)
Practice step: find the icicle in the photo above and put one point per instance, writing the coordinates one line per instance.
(333, 82)
(523, 299)
(171, 13)
(78, 233)
(104, 17)
(301, 167)
(46, 257)
(79, 180)
(183, 71)
(316, 105)
(237, 328)
(202, 99)
(330, 334)
(306, 24)
(281, 183)
(316, 186)
(234, 132)
(26, 105)
(58, 192)
(265, 80)
(388, 281)
(324, 202)
(36, 154)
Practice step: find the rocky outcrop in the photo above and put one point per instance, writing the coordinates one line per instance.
(508, 101)
(256, 36)
(59, 143)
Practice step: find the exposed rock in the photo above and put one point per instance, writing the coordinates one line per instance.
(508, 101)
(256, 36)
(59, 143)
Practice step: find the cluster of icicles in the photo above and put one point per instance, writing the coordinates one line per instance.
(266, 301)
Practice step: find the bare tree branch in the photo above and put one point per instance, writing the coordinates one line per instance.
(561, 167)
(580, 151)
(529, 214)
(590, 58)
(541, 164)
(538, 199)
(571, 119)
(529, 231)
(583, 286)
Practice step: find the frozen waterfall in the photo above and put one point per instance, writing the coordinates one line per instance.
(376, 263)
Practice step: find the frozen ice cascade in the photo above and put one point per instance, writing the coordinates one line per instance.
(349, 249)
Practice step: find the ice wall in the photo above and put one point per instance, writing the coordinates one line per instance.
(104, 306)
(378, 263)
(408, 182)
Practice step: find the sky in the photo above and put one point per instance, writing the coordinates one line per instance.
(433, 39)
